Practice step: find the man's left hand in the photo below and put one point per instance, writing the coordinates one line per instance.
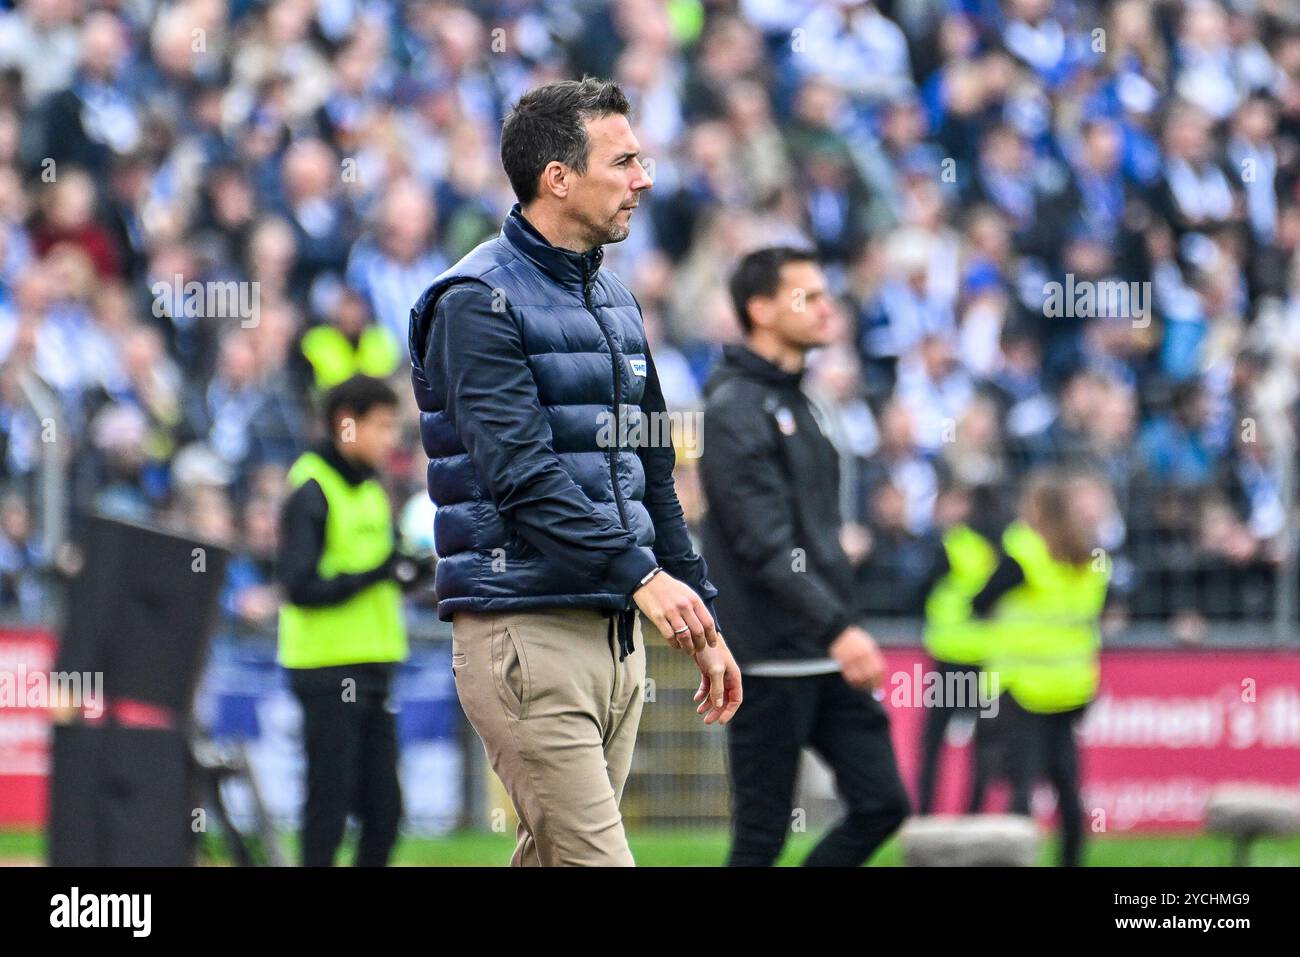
(720, 692)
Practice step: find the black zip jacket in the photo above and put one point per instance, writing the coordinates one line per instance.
(772, 532)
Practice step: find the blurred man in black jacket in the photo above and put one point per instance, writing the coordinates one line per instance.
(785, 585)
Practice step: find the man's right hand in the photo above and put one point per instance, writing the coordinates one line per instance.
(677, 612)
(860, 661)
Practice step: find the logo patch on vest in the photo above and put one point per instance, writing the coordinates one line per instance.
(638, 367)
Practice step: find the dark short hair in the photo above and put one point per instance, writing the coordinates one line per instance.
(358, 395)
(547, 125)
(759, 274)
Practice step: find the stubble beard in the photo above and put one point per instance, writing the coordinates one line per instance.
(614, 231)
(610, 231)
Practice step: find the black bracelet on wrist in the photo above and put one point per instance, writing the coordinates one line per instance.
(649, 575)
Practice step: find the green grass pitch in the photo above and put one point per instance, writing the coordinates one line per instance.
(668, 848)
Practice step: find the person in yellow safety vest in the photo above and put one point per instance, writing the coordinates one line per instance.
(349, 344)
(1044, 602)
(954, 638)
(341, 628)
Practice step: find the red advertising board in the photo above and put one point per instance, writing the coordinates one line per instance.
(26, 659)
(1166, 727)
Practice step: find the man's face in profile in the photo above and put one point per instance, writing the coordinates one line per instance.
(601, 199)
(802, 311)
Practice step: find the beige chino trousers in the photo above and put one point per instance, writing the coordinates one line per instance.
(558, 714)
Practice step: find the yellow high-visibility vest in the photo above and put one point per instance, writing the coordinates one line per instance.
(367, 627)
(951, 633)
(334, 358)
(1045, 636)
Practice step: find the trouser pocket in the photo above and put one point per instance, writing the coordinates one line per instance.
(510, 670)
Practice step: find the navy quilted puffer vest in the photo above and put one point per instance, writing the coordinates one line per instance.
(586, 347)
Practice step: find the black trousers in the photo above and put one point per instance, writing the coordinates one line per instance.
(1043, 745)
(989, 757)
(849, 729)
(936, 725)
(352, 761)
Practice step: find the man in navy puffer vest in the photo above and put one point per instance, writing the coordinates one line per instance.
(557, 518)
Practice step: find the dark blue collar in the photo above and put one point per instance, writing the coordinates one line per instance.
(566, 267)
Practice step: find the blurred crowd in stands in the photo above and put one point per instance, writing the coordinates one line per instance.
(950, 160)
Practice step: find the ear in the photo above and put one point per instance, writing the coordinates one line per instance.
(760, 311)
(555, 179)
(341, 416)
